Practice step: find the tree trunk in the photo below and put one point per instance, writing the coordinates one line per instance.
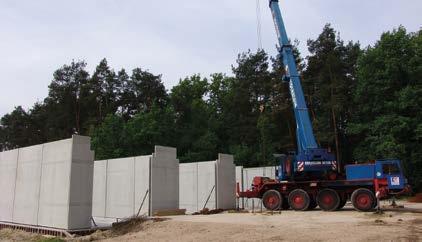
(334, 121)
(336, 140)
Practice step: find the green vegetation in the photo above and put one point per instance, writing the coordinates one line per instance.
(364, 104)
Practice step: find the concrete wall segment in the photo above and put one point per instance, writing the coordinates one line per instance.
(226, 182)
(8, 169)
(28, 179)
(207, 186)
(51, 184)
(120, 188)
(81, 183)
(188, 183)
(55, 184)
(164, 179)
(99, 193)
(142, 177)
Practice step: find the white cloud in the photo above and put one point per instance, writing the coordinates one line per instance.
(173, 38)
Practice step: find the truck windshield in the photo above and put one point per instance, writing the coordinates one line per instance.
(390, 169)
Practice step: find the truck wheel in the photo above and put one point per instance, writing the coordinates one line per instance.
(363, 199)
(328, 199)
(299, 200)
(272, 200)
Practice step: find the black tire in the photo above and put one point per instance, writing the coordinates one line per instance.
(328, 200)
(363, 200)
(299, 200)
(272, 200)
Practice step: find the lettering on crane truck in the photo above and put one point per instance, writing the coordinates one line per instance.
(317, 163)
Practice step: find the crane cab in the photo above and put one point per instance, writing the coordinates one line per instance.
(389, 172)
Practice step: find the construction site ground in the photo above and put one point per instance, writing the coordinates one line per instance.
(346, 225)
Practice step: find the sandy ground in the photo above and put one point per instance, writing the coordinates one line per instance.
(344, 225)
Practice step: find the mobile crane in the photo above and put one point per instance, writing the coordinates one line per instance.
(310, 178)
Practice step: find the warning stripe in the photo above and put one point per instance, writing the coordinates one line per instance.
(334, 164)
(300, 165)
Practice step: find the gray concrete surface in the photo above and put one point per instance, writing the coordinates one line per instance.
(27, 190)
(164, 180)
(81, 183)
(48, 185)
(210, 180)
(120, 185)
(142, 184)
(66, 191)
(206, 186)
(8, 166)
(99, 192)
(197, 184)
(226, 182)
(188, 182)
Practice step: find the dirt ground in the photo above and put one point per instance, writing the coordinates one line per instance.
(344, 225)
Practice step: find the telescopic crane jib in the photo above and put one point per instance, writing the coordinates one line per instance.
(310, 158)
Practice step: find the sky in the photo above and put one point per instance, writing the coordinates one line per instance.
(172, 38)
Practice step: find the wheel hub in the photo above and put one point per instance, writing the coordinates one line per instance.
(298, 200)
(272, 201)
(363, 200)
(327, 199)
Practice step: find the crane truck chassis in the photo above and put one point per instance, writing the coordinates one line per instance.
(363, 185)
(311, 177)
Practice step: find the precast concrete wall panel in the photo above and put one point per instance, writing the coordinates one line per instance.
(66, 184)
(188, 183)
(120, 188)
(81, 182)
(164, 186)
(142, 170)
(48, 185)
(99, 194)
(206, 185)
(226, 182)
(144, 184)
(28, 181)
(55, 184)
(8, 165)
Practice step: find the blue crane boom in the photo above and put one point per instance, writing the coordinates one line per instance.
(310, 157)
(305, 134)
